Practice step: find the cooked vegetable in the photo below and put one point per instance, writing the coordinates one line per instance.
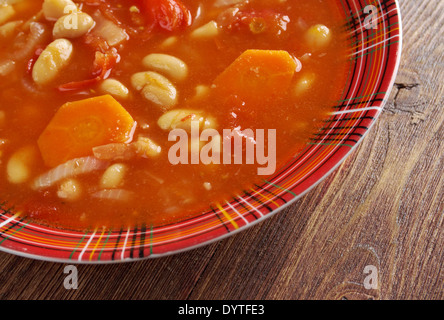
(155, 88)
(73, 25)
(69, 169)
(80, 126)
(9, 29)
(115, 88)
(70, 190)
(6, 13)
(108, 30)
(54, 9)
(113, 177)
(143, 148)
(113, 194)
(318, 37)
(51, 61)
(167, 64)
(182, 119)
(207, 31)
(169, 15)
(256, 22)
(26, 43)
(170, 64)
(201, 92)
(105, 60)
(224, 3)
(169, 42)
(146, 148)
(304, 84)
(6, 67)
(18, 169)
(258, 75)
(115, 152)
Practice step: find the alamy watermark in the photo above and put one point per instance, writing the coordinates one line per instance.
(371, 20)
(371, 281)
(71, 21)
(71, 281)
(234, 146)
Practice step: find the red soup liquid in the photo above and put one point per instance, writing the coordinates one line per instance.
(152, 67)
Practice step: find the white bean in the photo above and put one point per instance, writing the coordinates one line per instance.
(304, 83)
(18, 169)
(114, 88)
(8, 29)
(318, 36)
(70, 190)
(202, 91)
(108, 30)
(114, 176)
(54, 9)
(147, 148)
(6, 67)
(155, 88)
(207, 31)
(169, 42)
(175, 119)
(169, 65)
(73, 25)
(134, 9)
(182, 119)
(52, 60)
(6, 13)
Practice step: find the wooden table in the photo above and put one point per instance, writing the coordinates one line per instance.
(384, 207)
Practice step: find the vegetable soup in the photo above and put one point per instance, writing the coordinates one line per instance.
(91, 92)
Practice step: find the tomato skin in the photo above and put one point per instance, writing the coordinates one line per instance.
(169, 15)
(105, 60)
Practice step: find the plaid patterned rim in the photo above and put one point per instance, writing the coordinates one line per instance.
(374, 58)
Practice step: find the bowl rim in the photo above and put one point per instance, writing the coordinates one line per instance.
(269, 214)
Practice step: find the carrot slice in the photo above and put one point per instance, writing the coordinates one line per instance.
(79, 126)
(257, 75)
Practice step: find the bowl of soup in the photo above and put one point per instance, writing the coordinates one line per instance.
(138, 129)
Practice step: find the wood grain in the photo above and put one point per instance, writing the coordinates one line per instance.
(384, 207)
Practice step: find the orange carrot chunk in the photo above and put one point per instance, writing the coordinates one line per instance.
(257, 75)
(79, 126)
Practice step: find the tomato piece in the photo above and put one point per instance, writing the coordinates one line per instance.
(169, 15)
(105, 60)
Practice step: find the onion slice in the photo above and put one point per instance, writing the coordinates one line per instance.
(69, 169)
(113, 194)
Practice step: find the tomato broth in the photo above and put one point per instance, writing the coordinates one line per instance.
(133, 72)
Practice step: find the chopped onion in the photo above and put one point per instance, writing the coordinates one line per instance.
(115, 152)
(69, 169)
(6, 67)
(26, 44)
(113, 194)
(109, 31)
(225, 3)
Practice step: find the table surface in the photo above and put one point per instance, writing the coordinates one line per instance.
(384, 207)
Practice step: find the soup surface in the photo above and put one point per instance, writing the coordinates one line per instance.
(91, 92)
